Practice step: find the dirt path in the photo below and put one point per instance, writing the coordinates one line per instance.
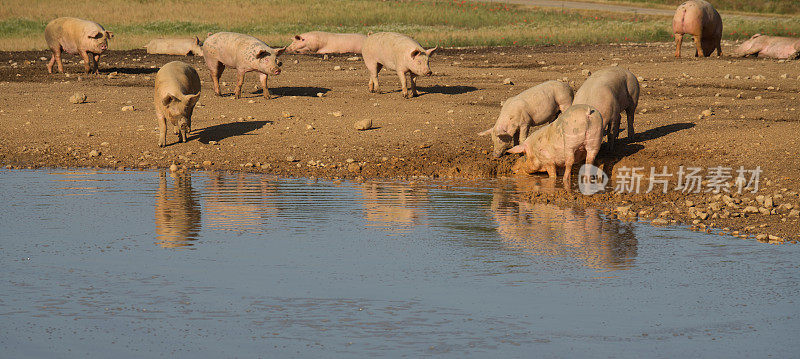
(753, 122)
(633, 9)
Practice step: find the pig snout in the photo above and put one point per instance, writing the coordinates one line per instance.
(429, 72)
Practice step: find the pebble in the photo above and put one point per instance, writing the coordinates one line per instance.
(336, 114)
(207, 163)
(94, 153)
(785, 76)
(350, 160)
(78, 97)
(363, 125)
(769, 202)
(320, 94)
(794, 213)
(354, 58)
(296, 62)
(586, 73)
(286, 115)
(105, 144)
(706, 113)
(212, 142)
(173, 167)
(660, 222)
(354, 167)
(127, 108)
(750, 209)
(290, 159)
(507, 81)
(337, 68)
(309, 127)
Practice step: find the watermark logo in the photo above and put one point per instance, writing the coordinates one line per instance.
(591, 179)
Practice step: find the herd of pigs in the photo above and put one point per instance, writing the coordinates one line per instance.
(571, 126)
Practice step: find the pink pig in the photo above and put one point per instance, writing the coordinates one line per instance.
(574, 136)
(534, 106)
(319, 42)
(702, 21)
(770, 46)
(76, 36)
(611, 91)
(244, 53)
(399, 53)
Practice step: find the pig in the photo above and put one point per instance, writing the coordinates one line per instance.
(396, 52)
(319, 42)
(611, 91)
(176, 92)
(702, 21)
(76, 36)
(244, 53)
(534, 106)
(576, 135)
(180, 46)
(770, 46)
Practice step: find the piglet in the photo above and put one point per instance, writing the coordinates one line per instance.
(702, 21)
(611, 91)
(76, 36)
(177, 46)
(319, 42)
(177, 91)
(244, 53)
(574, 136)
(534, 106)
(399, 53)
(770, 46)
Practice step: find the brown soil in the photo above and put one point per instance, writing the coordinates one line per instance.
(754, 122)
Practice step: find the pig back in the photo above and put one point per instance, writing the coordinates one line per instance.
(389, 48)
(177, 78)
(233, 49)
(68, 32)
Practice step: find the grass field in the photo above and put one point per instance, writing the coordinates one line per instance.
(767, 6)
(432, 22)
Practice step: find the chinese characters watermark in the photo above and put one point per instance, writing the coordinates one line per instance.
(716, 179)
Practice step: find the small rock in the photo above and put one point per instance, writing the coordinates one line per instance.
(750, 209)
(296, 62)
(689, 203)
(507, 81)
(212, 142)
(350, 160)
(727, 76)
(320, 94)
(290, 159)
(105, 144)
(354, 58)
(363, 125)
(769, 202)
(354, 167)
(706, 113)
(248, 164)
(785, 76)
(761, 237)
(586, 72)
(794, 213)
(336, 114)
(660, 222)
(127, 108)
(760, 199)
(337, 68)
(94, 153)
(309, 127)
(173, 167)
(286, 115)
(758, 97)
(113, 75)
(78, 97)
(325, 57)
(207, 163)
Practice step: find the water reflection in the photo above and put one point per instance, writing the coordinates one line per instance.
(177, 211)
(238, 202)
(547, 229)
(395, 206)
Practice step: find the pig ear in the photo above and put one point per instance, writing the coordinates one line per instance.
(192, 98)
(110, 34)
(262, 54)
(197, 40)
(487, 132)
(279, 51)
(431, 51)
(517, 149)
(168, 100)
(95, 34)
(415, 53)
(298, 38)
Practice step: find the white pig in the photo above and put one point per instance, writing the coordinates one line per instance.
(76, 36)
(611, 91)
(399, 53)
(244, 53)
(575, 136)
(534, 106)
(320, 42)
(176, 92)
(177, 46)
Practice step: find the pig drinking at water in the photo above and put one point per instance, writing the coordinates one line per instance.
(770, 46)
(76, 36)
(182, 46)
(574, 136)
(611, 91)
(702, 21)
(399, 53)
(319, 42)
(177, 91)
(244, 53)
(534, 106)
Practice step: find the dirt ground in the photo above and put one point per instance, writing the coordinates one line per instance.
(308, 128)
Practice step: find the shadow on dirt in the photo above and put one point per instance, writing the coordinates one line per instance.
(128, 70)
(225, 130)
(309, 91)
(628, 147)
(447, 90)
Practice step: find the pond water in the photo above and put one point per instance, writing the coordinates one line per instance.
(210, 265)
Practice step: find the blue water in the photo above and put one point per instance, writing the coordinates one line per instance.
(210, 265)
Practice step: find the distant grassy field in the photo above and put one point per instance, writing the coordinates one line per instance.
(432, 22)
(767, 6)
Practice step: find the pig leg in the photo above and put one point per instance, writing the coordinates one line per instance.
(678, 42)
(263, 79)
(613, 130)
(698, 46)
(239, 83)
(569, 161)
(86, 62)
(216, 72)
(374, 68)
(523, 132)
(162, 130)
(718, 41)
(92, 64)
(51, 63)
(413, 83)
(551, 171)
(403, 83)
(629, 113)
(97, 64)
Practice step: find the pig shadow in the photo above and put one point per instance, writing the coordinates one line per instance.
(609, 158)
(446, 90)
(129, 70)
(225, 130)
(308, 91)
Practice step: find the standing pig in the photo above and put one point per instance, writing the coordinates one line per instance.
(244, 53)
(177, 91)
(319, 42)
(574, 136)
(611, 91)
(702, 21)
(534, 106)
(770, 46)
(182, 46)
(396, 52)
(76, 36)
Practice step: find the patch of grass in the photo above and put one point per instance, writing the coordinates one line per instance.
(767, 6)
(432, 22)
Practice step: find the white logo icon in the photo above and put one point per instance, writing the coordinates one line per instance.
(591, 179)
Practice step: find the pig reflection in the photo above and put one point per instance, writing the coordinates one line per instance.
(393, 205)
(547, 229)
(238, 202)
(177, 212)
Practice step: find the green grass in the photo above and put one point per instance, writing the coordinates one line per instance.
(768, 6)
(432, 22)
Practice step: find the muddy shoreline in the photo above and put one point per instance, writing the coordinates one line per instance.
(694, 113)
